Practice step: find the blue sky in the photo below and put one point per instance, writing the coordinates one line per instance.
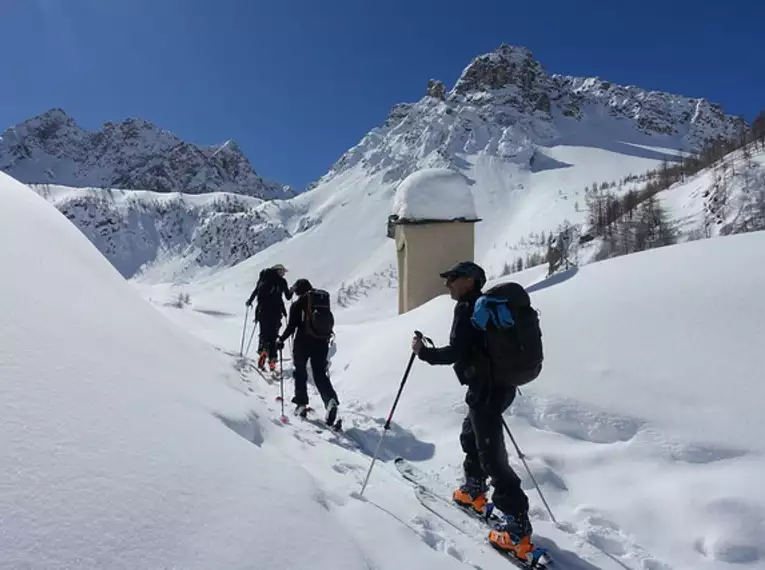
(298, 82)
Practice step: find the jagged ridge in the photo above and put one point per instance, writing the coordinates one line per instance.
(132, 154)
(505, 104)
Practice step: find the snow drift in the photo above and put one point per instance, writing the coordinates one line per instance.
(132, 445)
(644, 429)
(434, 194)
(118, 449)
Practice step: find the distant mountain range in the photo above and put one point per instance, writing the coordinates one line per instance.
(133, 154)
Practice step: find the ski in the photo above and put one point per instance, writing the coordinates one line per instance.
(539, 558)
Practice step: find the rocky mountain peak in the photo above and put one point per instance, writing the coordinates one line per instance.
(506, 66)
(506, 105)
(436, 89)
(130, 154)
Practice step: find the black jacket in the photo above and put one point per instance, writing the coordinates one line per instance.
(466, 349)
(296, 323)
(274, 305)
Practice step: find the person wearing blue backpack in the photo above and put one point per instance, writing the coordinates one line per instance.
(487, 357)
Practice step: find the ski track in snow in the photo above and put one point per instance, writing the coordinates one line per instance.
(578, 444)
(351, 461)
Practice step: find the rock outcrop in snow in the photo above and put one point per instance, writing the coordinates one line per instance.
(168, 237)
(506, 105)
(53, 149)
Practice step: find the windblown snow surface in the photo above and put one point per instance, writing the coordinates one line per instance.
(644, 430)
(127, 443)
(132, 444)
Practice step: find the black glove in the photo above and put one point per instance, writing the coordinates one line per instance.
(279, 344)
(248, 303)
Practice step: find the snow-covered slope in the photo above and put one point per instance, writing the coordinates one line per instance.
(644, 430)
(134, 153)
(128, 444)
(170, 237)
(724, 199)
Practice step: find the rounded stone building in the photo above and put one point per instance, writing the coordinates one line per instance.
(433, 224)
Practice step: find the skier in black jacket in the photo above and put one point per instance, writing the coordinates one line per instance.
(481, 438)
(309, 344)
(269, 311)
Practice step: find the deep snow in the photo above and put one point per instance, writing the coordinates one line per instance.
(434, 194)
(650, 387)
(129, 444)
(133, 444)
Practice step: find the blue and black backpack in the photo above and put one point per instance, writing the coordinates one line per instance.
(513, 334)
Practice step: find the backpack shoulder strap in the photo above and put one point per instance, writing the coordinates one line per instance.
(308, 306)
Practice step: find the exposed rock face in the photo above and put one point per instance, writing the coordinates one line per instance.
(505, 104)
(436, 89)
(133, 154)
(142, 233)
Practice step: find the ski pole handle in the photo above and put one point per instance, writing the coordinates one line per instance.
(422, 337)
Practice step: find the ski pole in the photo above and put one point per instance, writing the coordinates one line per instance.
(386, 427)
(244, 330)
(523, 459)
(249, 342)
(281, 385)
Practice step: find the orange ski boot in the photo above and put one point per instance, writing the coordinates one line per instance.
(262, 360)
(513, 536)
(472, 494)
(272, 365)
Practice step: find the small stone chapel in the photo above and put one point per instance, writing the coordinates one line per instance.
(433, 224)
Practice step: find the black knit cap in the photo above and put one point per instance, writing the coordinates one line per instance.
(302, 286)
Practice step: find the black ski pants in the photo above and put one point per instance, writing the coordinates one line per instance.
(313, 351)
(483, 442)
(269, 334)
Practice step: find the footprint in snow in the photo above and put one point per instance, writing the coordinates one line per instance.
(434, 537)
(733, 532)
(344, 467)
(607, 536)
(575, 420)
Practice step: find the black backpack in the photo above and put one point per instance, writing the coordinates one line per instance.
(268, 287)
(513, 334)
(319, 320)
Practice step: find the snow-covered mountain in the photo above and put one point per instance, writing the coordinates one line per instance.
(506, 105)
(532, 141)
(134, 153)
(170, 237)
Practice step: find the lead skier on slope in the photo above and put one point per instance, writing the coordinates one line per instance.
(481, 438)
(269, 311)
